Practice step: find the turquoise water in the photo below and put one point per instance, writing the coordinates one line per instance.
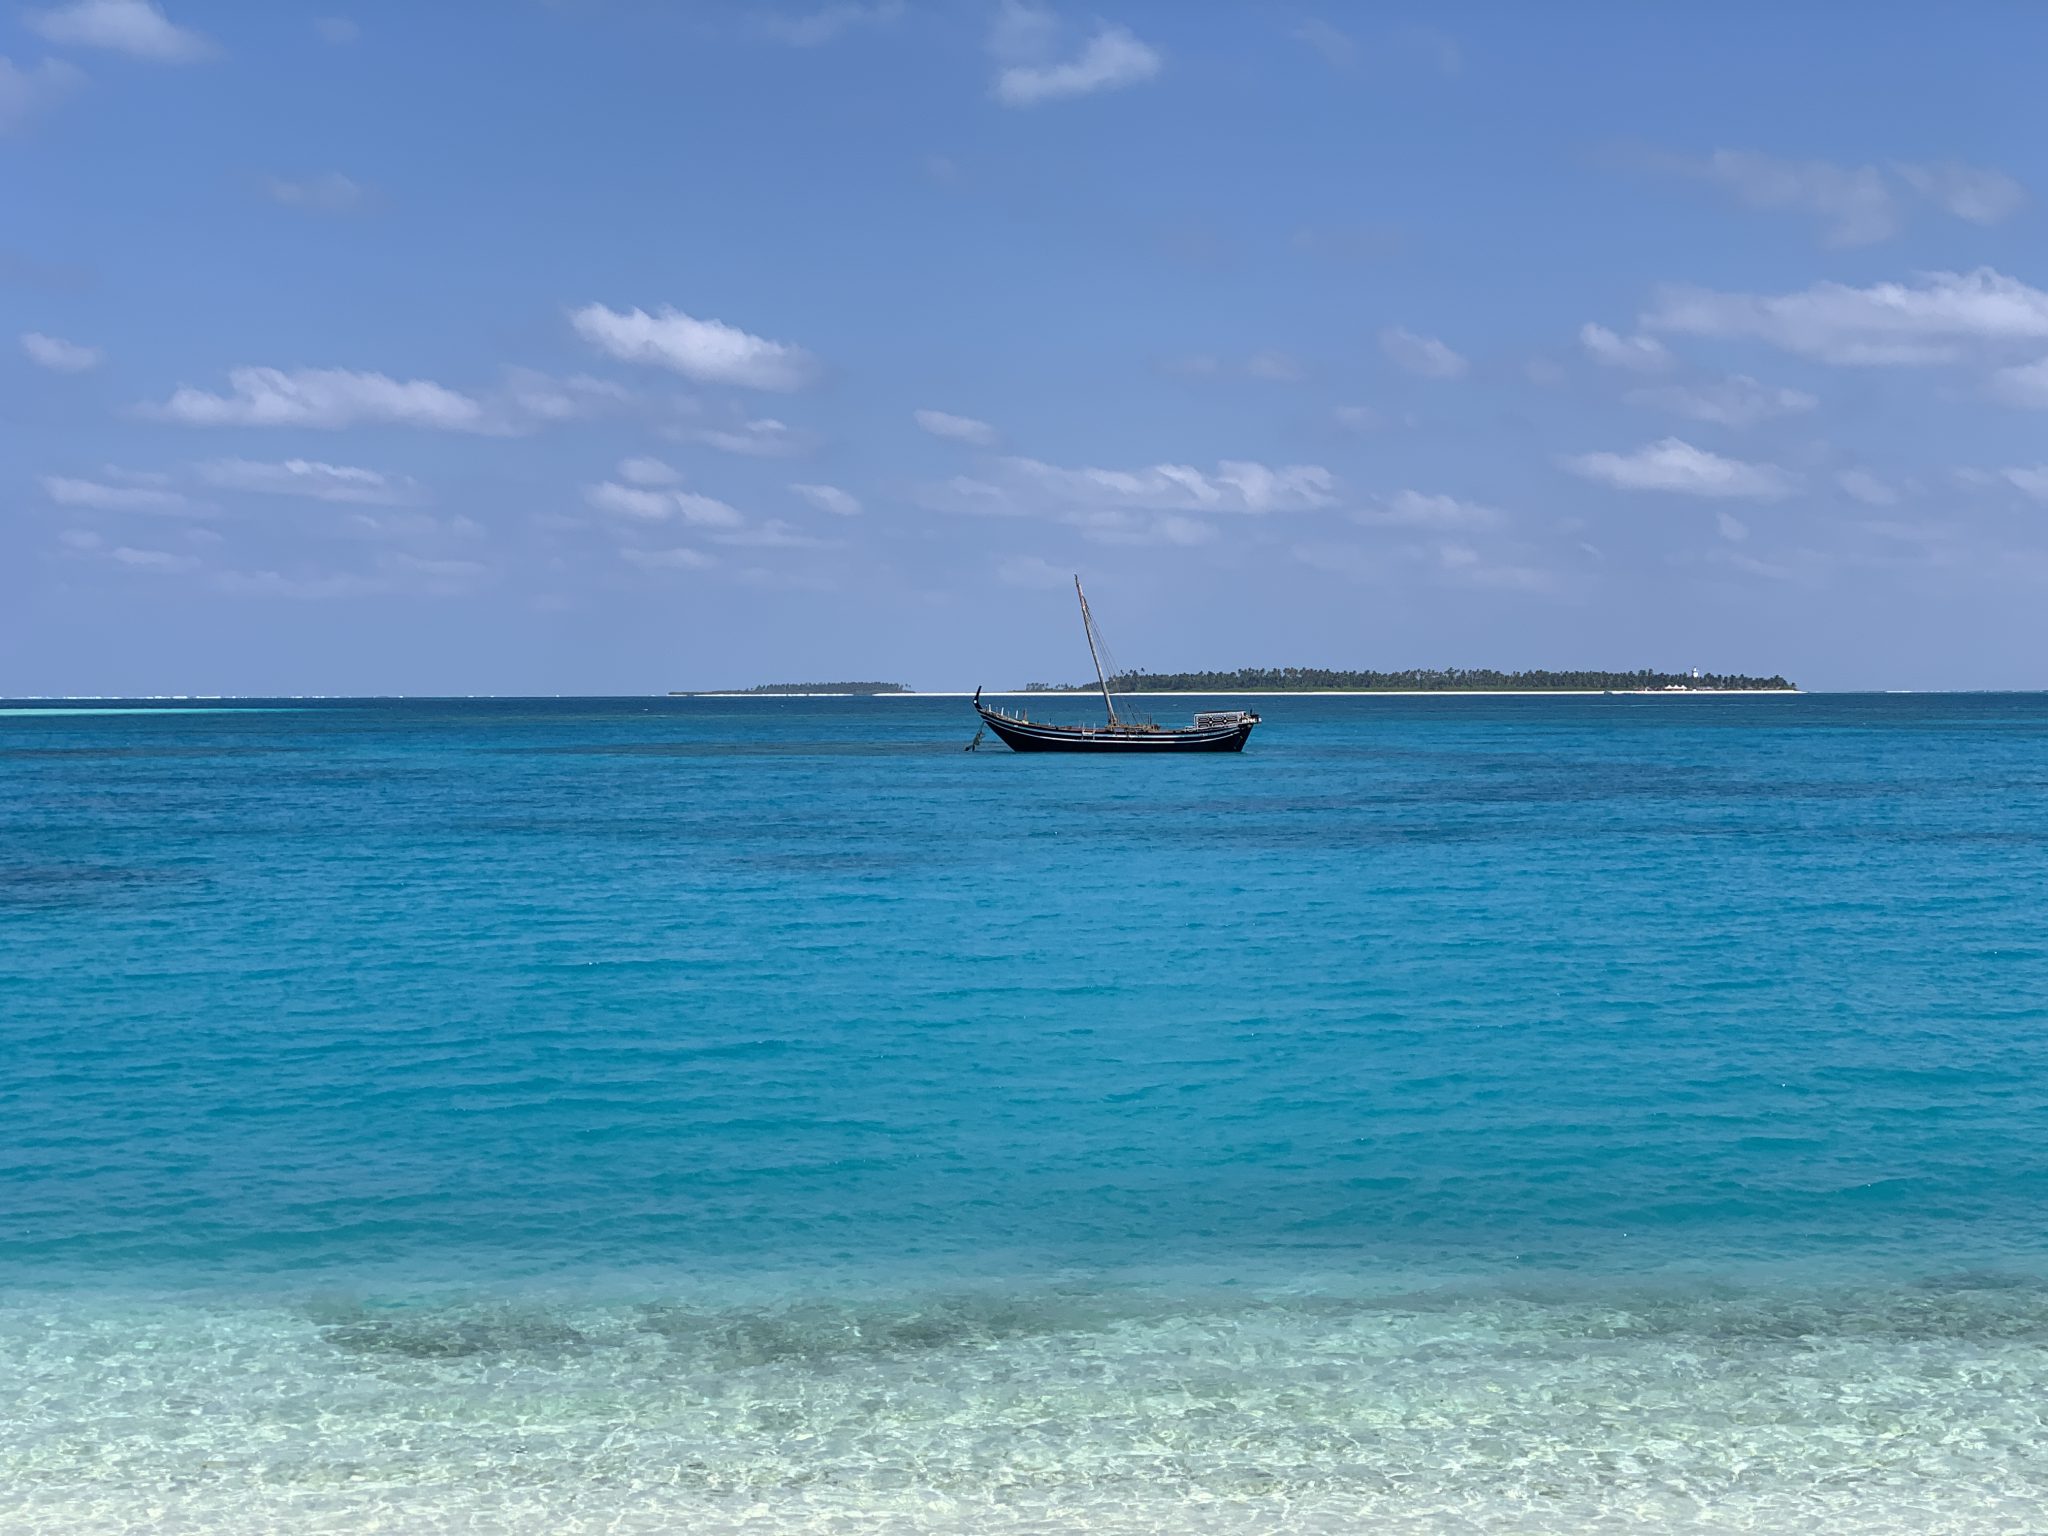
(1450, 1115)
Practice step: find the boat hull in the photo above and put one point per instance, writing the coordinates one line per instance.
(1030, 736)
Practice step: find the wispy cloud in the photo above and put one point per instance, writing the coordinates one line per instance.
(1023, 37)
(327, 398)
(395, 572)
(959, 429)
(138, 28)
(57, 354)
(772, 534)
(2032, 481)
(333, 398)
(1031, 572)
(1418, 509)
(646, 505)
(2023, 384)
(1140, 529)
(678, 559)
(162, 560)
(813, 29)
(1931, 320)
(1854, 204)
(706, 350)
(1968, 192)
(761, 438)
(532, 397)
(133, 494)
(645, 470)
(830, 498)
(1338, 49)
(313, 479)
(330, 193)
(1422, 355)
(1736, 401)
(1867, 488)
(1238, 486)
(336, 31)
(26, 92)
(1276, 367)
(1637, 354)
(1674, 465)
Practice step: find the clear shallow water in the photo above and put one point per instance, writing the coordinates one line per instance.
(1520, 1115)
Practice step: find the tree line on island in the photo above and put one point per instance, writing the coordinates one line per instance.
(1328, 680)
(793, 688)
(1417, 680)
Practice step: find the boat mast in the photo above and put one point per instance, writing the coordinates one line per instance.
(1088, 627)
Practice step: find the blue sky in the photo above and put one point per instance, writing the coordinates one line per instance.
(613, 345)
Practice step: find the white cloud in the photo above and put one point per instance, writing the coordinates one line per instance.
(1732, 528)
(667, 559)
(55, 353)
(331, 193)
(1970, 193)
(960, 429)
(1855, 204)
(1736, 401)
(1416, 509)
(326, 398)
(1673, 465)
(1358, 418)
(311, 478)
(67, 491)
(2034, 481)
(815, 28)
(707, 350)
(829, 498)
(138, 28)
(651, 506)
(647, 471)
(1928, 321)
(337, 31)
(25, 92)
(1113, 58)
(1234, 486)
(1424, 355)
(1867, 488)
(763, 438)
(1637, 354)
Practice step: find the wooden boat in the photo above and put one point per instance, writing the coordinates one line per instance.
(1213, 731)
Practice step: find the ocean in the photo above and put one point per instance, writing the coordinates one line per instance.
(1451, 1115)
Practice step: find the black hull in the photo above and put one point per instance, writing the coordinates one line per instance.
(1029, 736)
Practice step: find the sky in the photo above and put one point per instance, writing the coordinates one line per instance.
(616, 346)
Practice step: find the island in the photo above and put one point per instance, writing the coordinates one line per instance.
(1425, 680)
(769, 689)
